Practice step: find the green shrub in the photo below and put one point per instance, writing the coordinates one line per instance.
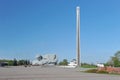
(86, 65)
(105, 72)
(96, 71)
(91, 71)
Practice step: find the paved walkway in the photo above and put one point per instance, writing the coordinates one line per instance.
(50, 73)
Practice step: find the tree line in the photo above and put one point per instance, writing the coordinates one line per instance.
(15, 62)
(114, 61)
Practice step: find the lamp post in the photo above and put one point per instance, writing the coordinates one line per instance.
(78, 35)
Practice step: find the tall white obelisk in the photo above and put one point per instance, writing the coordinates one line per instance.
(78, 35)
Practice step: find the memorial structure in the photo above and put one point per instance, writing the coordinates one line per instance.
(45, 59)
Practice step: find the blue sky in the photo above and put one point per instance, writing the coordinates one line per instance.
(31, 27)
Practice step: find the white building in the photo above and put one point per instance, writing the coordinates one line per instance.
(100, 65)
(73, 63)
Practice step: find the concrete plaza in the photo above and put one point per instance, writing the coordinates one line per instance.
(50, 73)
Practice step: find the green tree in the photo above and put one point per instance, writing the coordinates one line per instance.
(10, 62)
(64, 62)
(21, 62)
(115, 60)
(24, 62)
(14, 62)
(117, 55)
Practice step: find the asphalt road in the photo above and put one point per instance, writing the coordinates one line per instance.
(50, 73)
